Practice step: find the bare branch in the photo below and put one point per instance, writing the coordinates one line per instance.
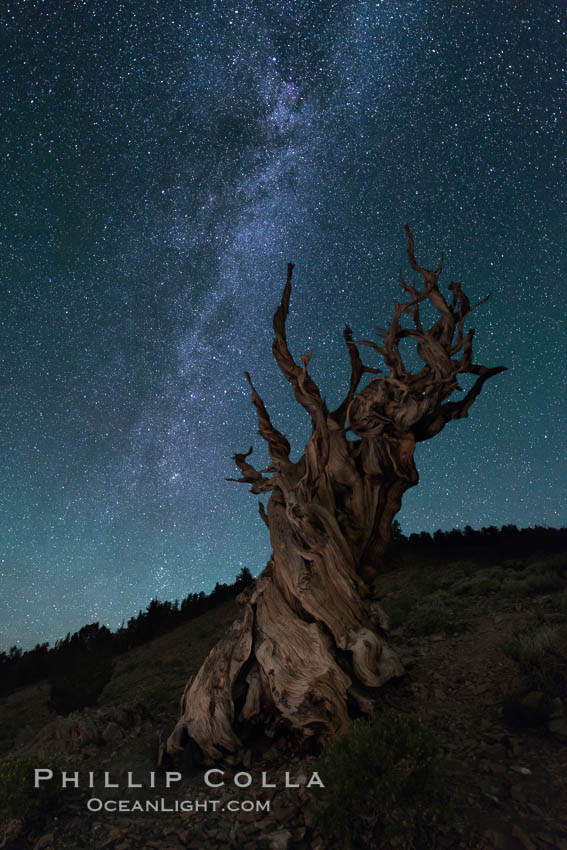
(278, 445)
(356, 372)
(263, 514)
(305, 389)
(431, 426)
(406, 401)
(430, 277)
(446, 326)
(250, 475)
(306, 393)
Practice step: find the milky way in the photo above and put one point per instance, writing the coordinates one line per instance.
(162, 162)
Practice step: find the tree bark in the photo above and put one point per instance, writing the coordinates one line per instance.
(307, 650)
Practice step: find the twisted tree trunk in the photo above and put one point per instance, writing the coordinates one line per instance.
(307, 649)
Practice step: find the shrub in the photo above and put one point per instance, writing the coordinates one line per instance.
(556, 563)
(19, 798)
(398, 608)
(425, 583)
(514, 564)
(382, 781)
(542, 659)
(560, 602)
(431, 616)
(544, 582)
(515, 588)
(534, 581)
(450, 579)
(484, 582)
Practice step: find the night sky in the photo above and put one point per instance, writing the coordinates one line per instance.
(162, 162)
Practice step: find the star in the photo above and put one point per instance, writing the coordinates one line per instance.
(162, 164)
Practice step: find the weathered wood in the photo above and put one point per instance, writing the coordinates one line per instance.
(308, 648)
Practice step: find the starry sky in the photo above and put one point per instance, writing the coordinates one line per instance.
(162, 162)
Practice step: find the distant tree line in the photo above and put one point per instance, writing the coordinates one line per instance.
(83, 661)
(506, 542)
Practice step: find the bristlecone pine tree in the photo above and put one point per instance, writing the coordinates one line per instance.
(307, 650)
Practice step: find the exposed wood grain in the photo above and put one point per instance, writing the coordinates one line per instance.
(307, 645)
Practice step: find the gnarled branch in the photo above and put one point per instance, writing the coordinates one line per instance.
(306, 650)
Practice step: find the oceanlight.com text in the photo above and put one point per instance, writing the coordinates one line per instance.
(95, 804)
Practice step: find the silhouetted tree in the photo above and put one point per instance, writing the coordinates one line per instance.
(397, 533)
(244, 578)
(80, 669)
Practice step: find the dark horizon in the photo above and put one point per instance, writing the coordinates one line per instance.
(476, 536)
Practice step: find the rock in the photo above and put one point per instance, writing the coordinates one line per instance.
(523, 838)
(72, 733)
(11, 831)
(44, 842)
(536, 810)
(546, 838)
(514, 746)
(126, 715)
(497, 769)
(309, 817)
(558, 725)
(114, 835)
(283, 813)
(517, 794)
(497, 839)
(557, 722)
(496, 752)
(112, 733)
(268, 793)
(249, 829)
(534, 700)
(280, 840)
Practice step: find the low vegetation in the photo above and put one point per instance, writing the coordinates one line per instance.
(383, 780)
(375, 795)
(447, 593)
(18, 797)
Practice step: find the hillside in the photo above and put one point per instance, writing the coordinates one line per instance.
(484, 642)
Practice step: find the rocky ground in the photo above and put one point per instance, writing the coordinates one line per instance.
(506, 767)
